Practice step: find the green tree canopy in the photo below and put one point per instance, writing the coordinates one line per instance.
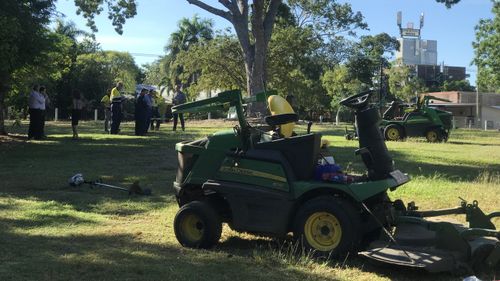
(487, 51)
(25, 38)
(403, 84)
(462, 85)
(339, 84)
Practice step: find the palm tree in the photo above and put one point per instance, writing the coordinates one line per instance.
(68, 29)
(190, 31)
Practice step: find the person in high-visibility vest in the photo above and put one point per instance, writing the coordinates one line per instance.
(106, 103)
(116, 108)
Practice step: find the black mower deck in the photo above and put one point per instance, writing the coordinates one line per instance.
(416, 247)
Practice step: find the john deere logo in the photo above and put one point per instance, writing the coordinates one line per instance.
(252, 173)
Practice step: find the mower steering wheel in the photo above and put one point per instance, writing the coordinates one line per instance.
(357, 101)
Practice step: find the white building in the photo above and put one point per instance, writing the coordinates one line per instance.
(470, 109)
(415, 51)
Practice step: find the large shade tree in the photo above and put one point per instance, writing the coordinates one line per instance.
(253, 23)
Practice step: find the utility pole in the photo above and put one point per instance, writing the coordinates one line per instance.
(477, 105)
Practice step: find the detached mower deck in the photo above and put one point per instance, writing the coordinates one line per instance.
(437, 245)
(258, 180)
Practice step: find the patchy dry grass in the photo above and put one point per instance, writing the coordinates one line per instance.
(50, 231)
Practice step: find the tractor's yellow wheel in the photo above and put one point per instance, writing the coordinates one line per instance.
(328, 226)
(432, 136)
(393, 133)
(323, 231)
(197, 225)
(192, 228)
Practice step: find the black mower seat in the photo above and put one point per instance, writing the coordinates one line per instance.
(280, 119)
(300, 151)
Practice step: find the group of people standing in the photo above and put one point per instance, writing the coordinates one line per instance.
(113, 109)
(147, 110)
(37, 102)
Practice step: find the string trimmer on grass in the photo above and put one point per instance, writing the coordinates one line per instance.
(78, 180)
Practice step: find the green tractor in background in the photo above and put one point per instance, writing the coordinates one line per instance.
(422, 121)
(258, 181)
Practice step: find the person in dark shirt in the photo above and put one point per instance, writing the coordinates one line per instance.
(76, 112)
(141, 114)
(35, 102)
(179, 98)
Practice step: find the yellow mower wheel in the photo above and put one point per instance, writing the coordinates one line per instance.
(393, 133)
(192, 227)
(323, 231)
(433, 135)
(197, 225)
(328, 226)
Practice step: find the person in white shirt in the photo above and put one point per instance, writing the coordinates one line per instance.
(36, 103)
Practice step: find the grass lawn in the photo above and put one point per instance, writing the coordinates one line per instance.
(50, 231)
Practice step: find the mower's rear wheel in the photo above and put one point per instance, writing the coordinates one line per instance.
(197, 225)
(393, 133)
(328, 227)
(434, 135)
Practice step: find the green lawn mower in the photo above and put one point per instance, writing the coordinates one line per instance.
(422, 121)
(257, 181)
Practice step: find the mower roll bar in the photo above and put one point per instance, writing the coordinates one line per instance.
(223, 101)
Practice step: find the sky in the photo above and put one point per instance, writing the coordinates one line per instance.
(146, 35)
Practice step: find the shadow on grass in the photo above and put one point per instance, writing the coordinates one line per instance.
(51, 220)
(235, 245)
(286, 251)
(473, 143)
(119, 257)
(104, 203)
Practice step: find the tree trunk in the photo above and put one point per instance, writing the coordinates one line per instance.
(337, 117)
(254, 66)
(261, 22)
